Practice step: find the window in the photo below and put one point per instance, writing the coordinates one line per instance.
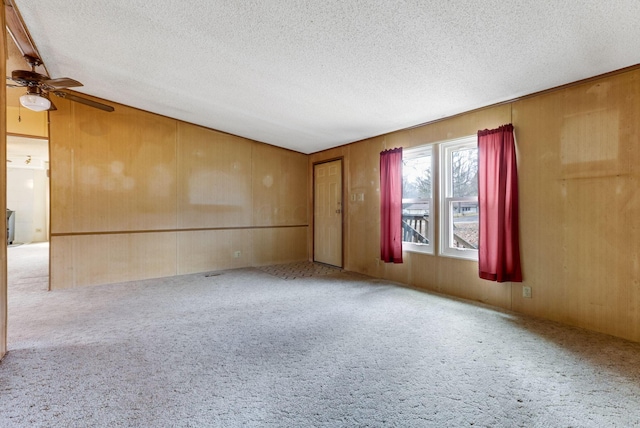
(417, 200)
(457, 202)
(459, 198)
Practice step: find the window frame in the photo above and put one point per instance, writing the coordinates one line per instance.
(413, 153)
(447, 199)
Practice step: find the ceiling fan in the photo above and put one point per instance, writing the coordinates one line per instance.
(40, 86)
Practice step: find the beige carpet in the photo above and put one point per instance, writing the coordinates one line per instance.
(243, 348)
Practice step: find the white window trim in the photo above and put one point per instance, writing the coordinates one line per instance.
(416, 247)
(446, 220)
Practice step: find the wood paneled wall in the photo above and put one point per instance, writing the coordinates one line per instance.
(136, 195)
(580, 204)
(3, 195)
(22, 121)
(579, 171)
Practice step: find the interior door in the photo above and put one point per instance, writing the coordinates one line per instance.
(327, 219)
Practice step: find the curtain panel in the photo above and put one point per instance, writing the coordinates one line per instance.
(499, 252)
(391, 205)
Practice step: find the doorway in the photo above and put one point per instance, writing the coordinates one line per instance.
(327, 212)
(28, 213)
(27, 190)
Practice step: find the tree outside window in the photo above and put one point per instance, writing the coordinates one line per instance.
(417, 228)
(460, 211)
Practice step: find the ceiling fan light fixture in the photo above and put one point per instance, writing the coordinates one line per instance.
(35, 102)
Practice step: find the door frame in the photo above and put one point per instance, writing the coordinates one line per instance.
(3, 196)
(342, 204)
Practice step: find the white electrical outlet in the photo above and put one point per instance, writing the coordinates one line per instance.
(237, 254)
(526, 292)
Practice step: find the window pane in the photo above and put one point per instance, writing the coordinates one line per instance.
(465, 224)
(415, 222)
(416, 196)
(416, 178)
(464, 172)
(459, 203)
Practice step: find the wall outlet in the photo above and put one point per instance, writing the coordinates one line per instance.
(526, 292)
(237, 254)
(353, 197)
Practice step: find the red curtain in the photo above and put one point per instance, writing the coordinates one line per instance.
(391, 205)
(499, 253)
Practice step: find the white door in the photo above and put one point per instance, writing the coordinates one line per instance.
(327, 219)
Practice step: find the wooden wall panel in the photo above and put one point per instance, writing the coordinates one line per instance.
(460, 126)
(122, 168)
(363, 214)
(279, 186)
(279, 245)
(541, 206)
(424, 272)
(214, 176)
(61, 169)
(61, 262)
(460, 278)
(209, 250)
(109, 258)
(580, 204)
(193, 189)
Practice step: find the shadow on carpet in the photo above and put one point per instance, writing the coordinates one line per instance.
(306, 269)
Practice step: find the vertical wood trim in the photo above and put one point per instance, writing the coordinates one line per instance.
(3, 193)
(14, 23)
(176, 172)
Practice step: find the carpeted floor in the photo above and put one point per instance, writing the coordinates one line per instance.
(244, 348)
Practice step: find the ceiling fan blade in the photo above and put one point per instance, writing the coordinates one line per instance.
(63, 82)
(84, 101)
(26, 77)
(12, 84)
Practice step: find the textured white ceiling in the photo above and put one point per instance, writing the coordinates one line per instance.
(309, 75)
